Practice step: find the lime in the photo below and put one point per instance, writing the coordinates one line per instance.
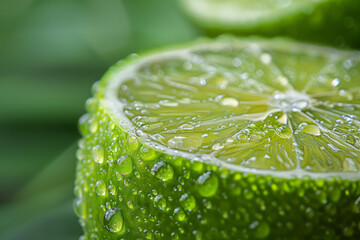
(223, 139)
(336, 22)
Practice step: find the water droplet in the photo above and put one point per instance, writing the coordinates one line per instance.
(119, 176)
(83, 123)
(133, 143)
(130, 205)
(347, 95)
(311, 129)
(112, 189)
(283, 80)
(335, 82)
(139, 133)
(348, 63)
(80, 154)
(300, 104)
(330, 209)
(148, 234)
(185, 143)
(92, 125)
(260, 229)
(356, 207)
(179, 214)
(113, 220)
(186, 127)
(168, 103)
(236, 62)
(187, 202)
(112, 125)
(137, 174)
(80, 207)
(309, 212)
(163, 171)
(198, 235)
(174, 236)
(231, 102)
(284, 132)
(98, 154)
(208, 184)
(126, 182)
(185, 100)
(348, 231)
(100, 188)
(291, 101)
(160, 202)
(125, 165)
(91, 105)
(217, 146)
(148, 154)
(265, 58)
(302, 125)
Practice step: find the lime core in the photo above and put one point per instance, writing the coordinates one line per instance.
(225, 139)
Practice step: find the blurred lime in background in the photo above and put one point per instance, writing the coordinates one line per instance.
(51, 53)
(335, 22)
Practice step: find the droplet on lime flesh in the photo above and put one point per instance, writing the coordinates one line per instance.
(188, 202)
(100, 188)
(163, 171)
(207, 184)
(98, 154)
(125, 165)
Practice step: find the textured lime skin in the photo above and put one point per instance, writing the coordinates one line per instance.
(334, 22)
(166, 197)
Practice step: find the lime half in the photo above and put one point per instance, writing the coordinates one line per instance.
(223, 139)
(330, 21)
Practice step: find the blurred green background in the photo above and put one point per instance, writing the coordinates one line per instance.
(51, 52)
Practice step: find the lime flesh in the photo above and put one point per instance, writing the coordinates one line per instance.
(225, 139)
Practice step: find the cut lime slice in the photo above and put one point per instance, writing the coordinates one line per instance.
(225, 139)
(330, 21)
